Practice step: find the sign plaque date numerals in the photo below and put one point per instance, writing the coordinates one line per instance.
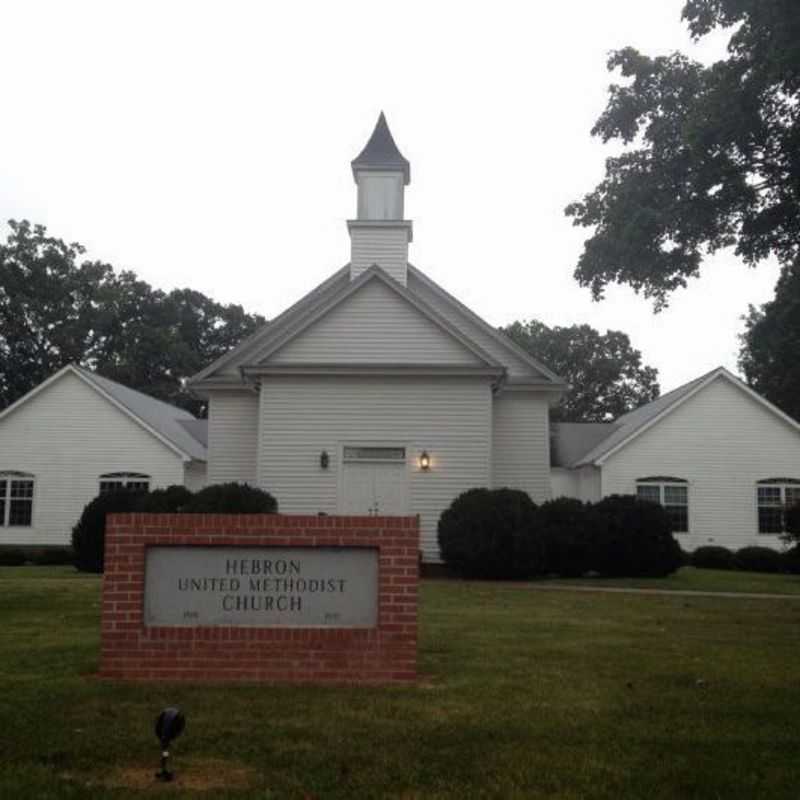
(191, 615)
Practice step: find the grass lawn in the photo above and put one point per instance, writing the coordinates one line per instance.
(701, 580)
(525, 694)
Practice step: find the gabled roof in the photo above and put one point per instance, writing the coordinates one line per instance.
(166, 422)
(636, 422)
(381, 153)
(329, 294)
(572, 440)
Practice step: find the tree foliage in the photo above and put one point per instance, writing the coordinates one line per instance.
(606, 374)
(770, 351)
(56, 309)
(712, 157)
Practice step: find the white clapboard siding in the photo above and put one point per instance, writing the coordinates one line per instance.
(194, 476)
(722, 442)
(232, 437)
(450, 418)
(385, 246)
(515, 365)
(375, 325)
(521, 444)
(67, 436)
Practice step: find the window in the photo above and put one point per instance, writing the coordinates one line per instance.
(124, 482)
(16, 499)
(773, 496)
(392, 455)
(672, 493)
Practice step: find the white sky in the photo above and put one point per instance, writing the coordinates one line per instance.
(208, 145)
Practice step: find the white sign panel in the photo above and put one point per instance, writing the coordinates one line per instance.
(297, 587)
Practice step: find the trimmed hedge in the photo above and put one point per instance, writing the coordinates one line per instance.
(490, 533)
(12, 557)
(712, 557)
(567, 528)
(171, 500)
(759, 559)
(793, 523)
(634, 539)
(791, 560)
(231, 498)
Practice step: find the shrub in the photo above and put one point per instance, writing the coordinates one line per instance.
(759, 559)
(54, 556)
(88, 536)
(567, 527)
(712, 557)
(11, 557)
(231, 498)
(490, 533)
(165, 501)
(633, 538)
(791, 560)
(792, 524)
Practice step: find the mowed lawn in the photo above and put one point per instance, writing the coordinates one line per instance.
(524, 693)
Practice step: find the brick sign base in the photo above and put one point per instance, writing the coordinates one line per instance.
(132, 650)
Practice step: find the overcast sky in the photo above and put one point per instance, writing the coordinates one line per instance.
(208, 145)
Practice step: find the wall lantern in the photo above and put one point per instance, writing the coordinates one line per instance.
(324, 459)
(424, 461)
(169, 726)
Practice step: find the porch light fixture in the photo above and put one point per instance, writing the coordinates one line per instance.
(424, 461)
(324, 459)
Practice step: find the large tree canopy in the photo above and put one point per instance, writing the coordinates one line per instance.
(770, 353)
(55, 311)
(713, 156)
(605, 372)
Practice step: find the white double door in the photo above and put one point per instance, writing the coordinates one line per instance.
(375, 488)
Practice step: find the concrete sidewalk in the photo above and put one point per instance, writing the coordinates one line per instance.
(563, 587)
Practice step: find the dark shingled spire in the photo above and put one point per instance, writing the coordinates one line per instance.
(381, 152)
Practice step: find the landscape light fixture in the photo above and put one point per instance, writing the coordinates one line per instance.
(169, 725)
(424, 461)
(324, 459)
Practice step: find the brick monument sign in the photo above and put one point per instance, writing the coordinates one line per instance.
(260, 597)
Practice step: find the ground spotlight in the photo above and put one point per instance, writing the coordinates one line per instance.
(169, 725)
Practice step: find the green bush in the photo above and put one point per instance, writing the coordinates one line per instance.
(89, 535)
(171, 500)
(54, 557)
(792, 524)
(491, 533)
(712, 557)
(791, 560)
(12, 557)
(633, 538)
(567, 528)
(759, 559)
(231, 498)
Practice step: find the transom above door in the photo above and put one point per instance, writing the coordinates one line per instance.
(374, 480)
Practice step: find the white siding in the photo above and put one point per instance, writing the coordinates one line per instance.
(67, 436)
(582, 484)
(301, 417)
(386, 246)
(374, 325)
(563, 482)
(521, 443)
(194, 476)
(232, 437)
(722, 442)
(516, 366)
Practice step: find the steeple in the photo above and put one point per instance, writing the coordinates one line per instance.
(381, 154)
(379, 234)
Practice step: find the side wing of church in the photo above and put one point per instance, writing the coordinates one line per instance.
(378, 392)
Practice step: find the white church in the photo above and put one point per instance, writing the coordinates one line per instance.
(380, 393)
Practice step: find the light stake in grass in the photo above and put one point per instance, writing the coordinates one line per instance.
(169, 725)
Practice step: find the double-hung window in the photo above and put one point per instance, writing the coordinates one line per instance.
(672, 493)
(16, 499)
(124, 482)
(773, 497)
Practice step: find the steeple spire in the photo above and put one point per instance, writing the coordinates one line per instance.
(381, 153)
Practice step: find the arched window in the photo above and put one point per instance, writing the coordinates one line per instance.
(670, 492)
(16, 499)
(124, 482)
(773, 496)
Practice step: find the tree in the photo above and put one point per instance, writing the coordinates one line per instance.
(605, 372)
(56, 309)
(715, 160)
(770, 351)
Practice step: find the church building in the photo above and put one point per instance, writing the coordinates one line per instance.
(378, 392)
